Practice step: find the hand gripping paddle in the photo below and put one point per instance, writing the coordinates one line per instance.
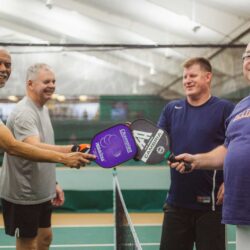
(113, 146)
(153, 143)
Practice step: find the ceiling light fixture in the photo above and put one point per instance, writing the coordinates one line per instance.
(13, 98)
(83, 98)
(61, 98)
(195, 25)
(54, 96)
(49, 4)
(152, 71)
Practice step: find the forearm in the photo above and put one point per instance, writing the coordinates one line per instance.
(57, 148)
(33, 153)
(35, 141)
(13, 147)
(211, 160)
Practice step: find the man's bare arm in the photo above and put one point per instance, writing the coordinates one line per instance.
(211, 160)
(13, 147)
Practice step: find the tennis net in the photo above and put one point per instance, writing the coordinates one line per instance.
(125, 236)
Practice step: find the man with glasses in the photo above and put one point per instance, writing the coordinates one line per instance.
(234, 155)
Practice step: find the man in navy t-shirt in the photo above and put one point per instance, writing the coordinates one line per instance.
(192, 213)
(235, 156)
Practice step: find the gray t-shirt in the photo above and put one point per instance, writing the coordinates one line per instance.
(23, 181)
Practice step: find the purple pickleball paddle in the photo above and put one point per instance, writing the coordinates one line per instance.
(113, 146)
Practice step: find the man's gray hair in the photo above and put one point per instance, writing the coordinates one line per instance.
(34, 69)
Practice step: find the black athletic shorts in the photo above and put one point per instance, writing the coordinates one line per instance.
(24, 220)
(183, 227)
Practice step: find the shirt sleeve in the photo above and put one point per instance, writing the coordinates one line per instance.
(164, 120)
(25, 125)
(227, 112)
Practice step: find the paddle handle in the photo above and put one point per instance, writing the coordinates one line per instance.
(172, 159)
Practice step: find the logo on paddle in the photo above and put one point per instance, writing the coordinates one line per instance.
(113, 146)
(141, 138)
(152, 142)
(160, 150)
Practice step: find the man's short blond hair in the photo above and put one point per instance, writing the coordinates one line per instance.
(203, 62)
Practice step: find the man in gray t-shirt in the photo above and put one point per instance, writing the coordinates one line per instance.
(28, 182)
(14, 147)
(27, 187)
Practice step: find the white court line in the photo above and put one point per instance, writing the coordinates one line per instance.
(89, 245)
(95, 245)
(82, 245)
(105, 225)
(86, 245)
(69, 245)
(92, 245)
(82, 226)
(97, 225)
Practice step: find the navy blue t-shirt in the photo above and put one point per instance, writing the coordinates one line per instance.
(195, 129)
(236, 208)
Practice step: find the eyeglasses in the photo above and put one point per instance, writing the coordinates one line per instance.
(246, 56)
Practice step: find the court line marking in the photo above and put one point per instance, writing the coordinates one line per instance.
(69, 245)
(97, 225)
(85, 245)
(93, 245)
(97, 245)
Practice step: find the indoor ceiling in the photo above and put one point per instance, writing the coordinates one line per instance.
(131, 47)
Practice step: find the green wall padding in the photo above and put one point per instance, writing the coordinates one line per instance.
(102, 201)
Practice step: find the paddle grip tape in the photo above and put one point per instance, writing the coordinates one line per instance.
(171, 158)
(84, 148)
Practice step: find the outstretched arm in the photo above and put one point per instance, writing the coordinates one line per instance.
(13, 147)
(211, 160)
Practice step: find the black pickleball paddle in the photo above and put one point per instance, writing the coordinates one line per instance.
(153, 143)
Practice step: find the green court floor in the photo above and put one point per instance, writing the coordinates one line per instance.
(101, 237)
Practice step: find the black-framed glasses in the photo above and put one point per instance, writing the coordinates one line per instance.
(246, 56)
